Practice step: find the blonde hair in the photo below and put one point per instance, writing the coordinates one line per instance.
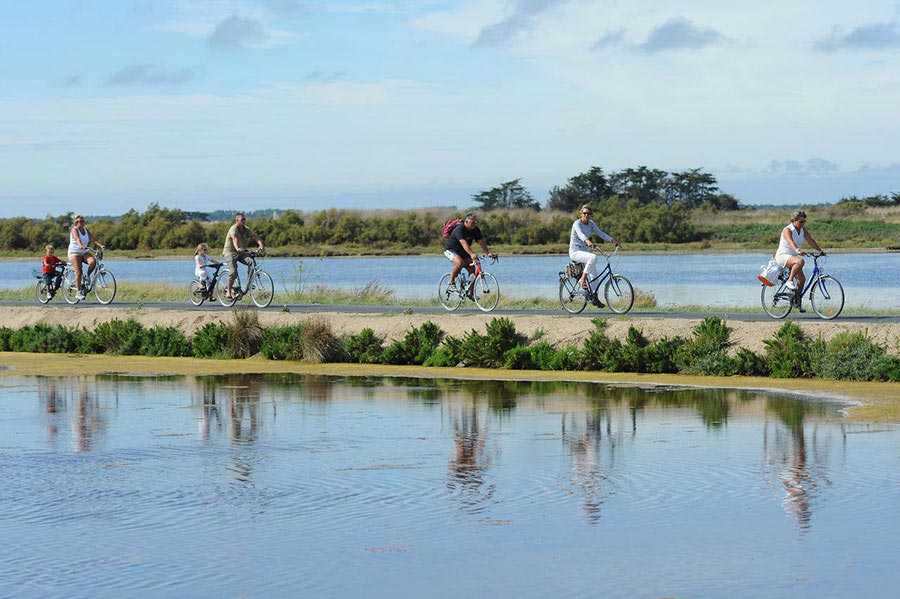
(797, 215)
(77, 216)
(201, 246)
(49, 248)
(586, 207)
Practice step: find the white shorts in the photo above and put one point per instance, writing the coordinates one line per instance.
(781, 259)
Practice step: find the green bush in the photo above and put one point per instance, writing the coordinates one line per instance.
(489, 350)
(121, 337)
(889, 369)
(787, 352)
(850, 356)
(750, 363)
(364, 347)
(416, 347)
(707, 352)
(212, 340)
(599, 352)
(42, 338)
(5, 334)
(659, 357)
(447, 355)
(319, 344)
(164, 341)
(283, 343)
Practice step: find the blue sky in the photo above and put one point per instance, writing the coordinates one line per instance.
(107, 105)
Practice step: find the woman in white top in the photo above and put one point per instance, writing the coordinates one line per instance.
(580, 244)
(789, 249)
(79, 252)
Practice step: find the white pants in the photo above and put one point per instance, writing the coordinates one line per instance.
(589, 259)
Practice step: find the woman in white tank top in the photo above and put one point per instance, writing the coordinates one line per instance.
(79, 240)
(789, 250)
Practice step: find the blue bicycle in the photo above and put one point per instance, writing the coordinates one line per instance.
(618, 292)
(826, 295)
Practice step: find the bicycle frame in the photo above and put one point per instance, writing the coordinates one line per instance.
(618, 291)
(479, 286)
(825, 293)
(258, 285)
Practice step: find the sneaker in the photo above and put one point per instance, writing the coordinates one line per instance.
(800, 308)
(451, 287)
(598, 303)
(791, 284)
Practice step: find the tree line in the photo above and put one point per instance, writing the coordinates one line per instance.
(639, 204)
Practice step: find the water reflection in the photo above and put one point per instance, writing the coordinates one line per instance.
(86, 421)
(583, 435)
(470, 458)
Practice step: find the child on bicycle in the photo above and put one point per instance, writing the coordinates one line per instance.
(201, 261)
(51, 270)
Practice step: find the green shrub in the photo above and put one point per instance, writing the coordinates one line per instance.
(213, 340)
(489, 350)
(659, 357)
(567, 358)
(889, 369)
(447, 355)
(599, 352)
(750, 363)
(283, 343)
(164, 341)
(42, 338)
(787, 352)
(416, 347)
(5, 334)
(119, 337)
(850, 356)
(364, 347)
(707, 352)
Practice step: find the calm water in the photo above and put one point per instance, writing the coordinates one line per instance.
(282, 486)
(674, 279)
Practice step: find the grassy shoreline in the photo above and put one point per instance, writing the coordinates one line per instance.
(868, 402)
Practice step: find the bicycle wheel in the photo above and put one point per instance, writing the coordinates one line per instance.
(619, 294)
(221, 288)
(262, 289)
(450, 299)
(195, 292)
(829, 301)
(486, 292)
(105, 287)
(70, 293)
(572, 296)
(776, 300)
(41, 291)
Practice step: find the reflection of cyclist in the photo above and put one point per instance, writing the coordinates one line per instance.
(458, 247)
(789, 252)
(580, 244)
(236, 248)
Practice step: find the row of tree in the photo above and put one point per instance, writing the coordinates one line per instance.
(691, 188)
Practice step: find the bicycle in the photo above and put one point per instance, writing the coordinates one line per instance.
(45, 291)
(260, 287)
(778, 301)
(481, 287)
(101, 282)
(618, 291)
(198, 292)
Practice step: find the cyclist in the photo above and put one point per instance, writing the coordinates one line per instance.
(201, 260)
(235, 249)
(789, 252)
(458, 247)
(49, 271)
(79, 253)
(580, 245)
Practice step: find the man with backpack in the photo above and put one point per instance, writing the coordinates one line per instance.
(458, 246)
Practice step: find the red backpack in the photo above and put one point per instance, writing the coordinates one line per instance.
(449, 226)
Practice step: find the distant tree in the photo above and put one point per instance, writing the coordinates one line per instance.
(691, 187)
(643, 184)
(508, 195)
(585, 188)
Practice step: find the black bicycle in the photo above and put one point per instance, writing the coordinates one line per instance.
(618, 292)
(198, 292)
(45, 290)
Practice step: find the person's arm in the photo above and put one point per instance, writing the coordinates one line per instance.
(465, 246)
(603, 234)
(484, 246)
(813, 243)
(74, 235)
(259, 242)
(234, 243)
(94, 239)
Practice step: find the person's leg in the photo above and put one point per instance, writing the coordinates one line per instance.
(458, 263)
(231, 265)
(589, 259)
(76, 262)
(92, 264)
(795, 263)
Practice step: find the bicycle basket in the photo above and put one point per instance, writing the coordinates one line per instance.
(574, 270)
